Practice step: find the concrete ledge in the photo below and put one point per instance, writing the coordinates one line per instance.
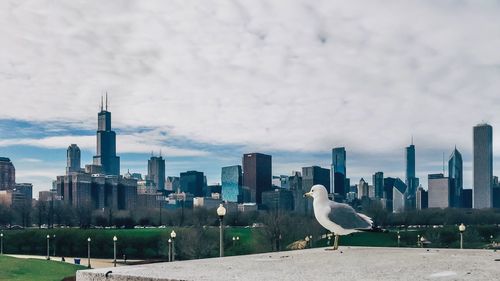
(350, 263)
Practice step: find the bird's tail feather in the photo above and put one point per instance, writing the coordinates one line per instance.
(366, 218)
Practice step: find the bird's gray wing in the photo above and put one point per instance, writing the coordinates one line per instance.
(345, 216)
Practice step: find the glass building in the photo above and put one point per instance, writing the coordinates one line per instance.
(232, 180)
(338, 171)
(455, 172)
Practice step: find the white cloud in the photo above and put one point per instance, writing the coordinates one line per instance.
(269, 75)
(134, 143)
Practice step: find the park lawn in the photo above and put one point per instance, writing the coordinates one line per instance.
(14, 269)
(371, 239)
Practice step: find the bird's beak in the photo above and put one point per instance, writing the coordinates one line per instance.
(308, 194)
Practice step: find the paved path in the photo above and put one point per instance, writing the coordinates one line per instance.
(349, 263)
(95, 263)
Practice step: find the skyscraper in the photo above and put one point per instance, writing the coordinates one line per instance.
(232, 181)
(257, 174)
(73, 164)
(106, 143)
(338, 171)
(439, 191)
(156, 171)
(378, 183)
(455, 172)
(7, 174)
(483, 166)
(192, 182)
(411, 181)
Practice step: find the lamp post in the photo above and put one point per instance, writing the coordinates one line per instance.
(48, 247)
(114, 250)
(221, 212)
(1, 243)
(172, 236)
(461, 228)
(491, 239)
(169, 250)
(418, 240)
(54, 238)
(329, 237)
(307, 241)
(88, 251)
(422, 240)
(399, 239)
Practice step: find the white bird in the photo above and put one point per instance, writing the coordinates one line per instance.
(339, 218)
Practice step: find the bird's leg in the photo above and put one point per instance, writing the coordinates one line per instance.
(336, 242)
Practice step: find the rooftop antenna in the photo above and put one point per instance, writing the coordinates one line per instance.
(101, 103)
(106, 100)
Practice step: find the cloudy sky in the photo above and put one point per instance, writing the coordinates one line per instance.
(206, 81)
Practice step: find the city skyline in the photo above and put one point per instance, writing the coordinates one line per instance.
(342, 75)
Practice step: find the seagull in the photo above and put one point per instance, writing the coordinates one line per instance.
(339, 218)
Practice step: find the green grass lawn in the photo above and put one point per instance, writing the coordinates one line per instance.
(14, 269)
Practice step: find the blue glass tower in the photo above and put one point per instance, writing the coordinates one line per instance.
(232, 181)
(338, 171)
(455, 172)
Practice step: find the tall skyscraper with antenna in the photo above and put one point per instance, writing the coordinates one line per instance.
(411, 180)
(106, 142)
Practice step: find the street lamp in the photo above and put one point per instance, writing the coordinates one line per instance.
(54, 237)
(169, 249)
(418, 240)
(399, 239)
(461, 228)
(88, 251)
(173, 235)
(48, 247)
(1, 243)
(329, 236)
(114, 250)
(221, 212)
(307, 241)
(491, 239)
(422, 240)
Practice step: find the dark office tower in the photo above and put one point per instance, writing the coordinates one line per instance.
(483, 166)
(156, 171)
(257, 174)
(7, 174)
(192, 182)
(378, 183)
(73, 159)
(338, 172)
(232, 181)
(411, 181)
(315, 175)
(106, 143)
(455, 172)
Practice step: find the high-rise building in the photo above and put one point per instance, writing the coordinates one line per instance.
(483, 166)
(26, 189)
(7, 174)
(398, 197)
(411, 180)
(73, 164)
(173, 184)
(232, 184)
(378, 183)
(277, 199)
(338, 172)
(192, 182)
(156, 171)
(422, 198)
(467, 198)
(106, 143)
(455, 172)
(363, 189)
(257, 174)
(439, 191)
(315, 175)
